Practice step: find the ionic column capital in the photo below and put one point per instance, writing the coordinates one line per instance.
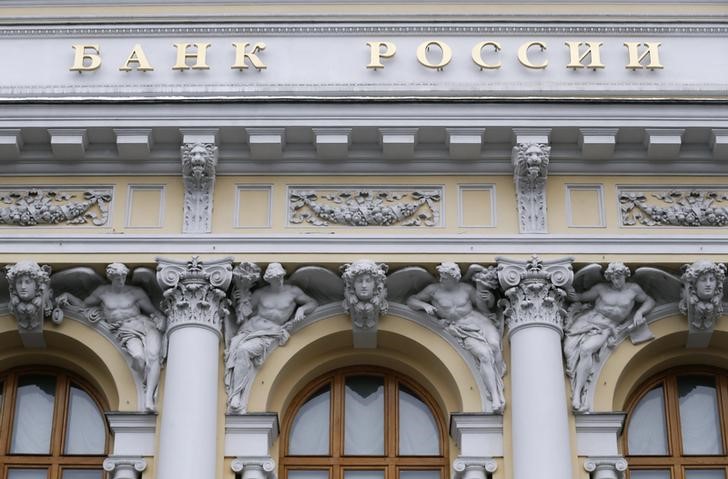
(195, 292)
(535, 291)
(467, 467)
(254, 467)
(125, 467)
(605, 467)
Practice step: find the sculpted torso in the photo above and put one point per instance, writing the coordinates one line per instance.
(275, 306)
(616, 304)
(452, 304)
(119, 305)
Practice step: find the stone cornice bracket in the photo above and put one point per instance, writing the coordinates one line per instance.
(258, 467)
(605, 467)
(535, 291)
(530, 159)
(125, 467)
(199, 162)
(473, 467)
(195, 292)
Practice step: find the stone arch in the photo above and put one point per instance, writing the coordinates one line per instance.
(81, 349)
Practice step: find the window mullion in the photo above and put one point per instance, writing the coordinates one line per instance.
(60, 407)
(672, 411)
(336, 431)
(391, 426)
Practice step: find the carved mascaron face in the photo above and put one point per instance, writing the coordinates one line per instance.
(706, 285)
(364, 286)
(26, 287)
(198, 157)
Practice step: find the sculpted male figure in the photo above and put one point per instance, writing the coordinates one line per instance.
(276, 308)
(138, 325)
(590, 330)
(467, 314)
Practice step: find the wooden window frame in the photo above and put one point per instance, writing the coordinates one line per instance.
(336, 461)
(676, 461)
(56, 461)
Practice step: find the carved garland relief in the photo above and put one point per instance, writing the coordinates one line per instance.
(696, 207)
(52, 206)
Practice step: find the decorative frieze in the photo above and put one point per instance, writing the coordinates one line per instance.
(199, 162)
(382, 207)
(674, 207)
(530, 169)
(55, 206)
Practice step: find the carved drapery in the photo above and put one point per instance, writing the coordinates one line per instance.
(535, 291)
(530, 169)
(364, 207)
(674, 207)
(199, 162)
(50, 206)
(196, 292)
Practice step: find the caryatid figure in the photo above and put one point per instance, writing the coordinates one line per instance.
(468, 314)
(137, 324)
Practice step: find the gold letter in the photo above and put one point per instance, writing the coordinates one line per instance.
(576, 59)
(523, 55)
(199, 56)
(635, 59)
(376, 53)
(478, 57)
(425, 47)
(241, 55)
(84, 61)
(138, 57)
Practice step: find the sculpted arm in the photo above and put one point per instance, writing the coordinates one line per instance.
(146, 306)
(421, 300)
(94, 299)
(483, 300)
(306, 305)
(647, 304)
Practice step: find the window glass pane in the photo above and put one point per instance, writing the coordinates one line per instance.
(27, 474)
(699, 419)
(33, 415)
(310, 430)
(649, 474)
(419, 474)
(82, 474)
(86, 431)
(646, 433)
(418, 433)
(308, 474)
(704, 474)
(363, 474)
(364, 416)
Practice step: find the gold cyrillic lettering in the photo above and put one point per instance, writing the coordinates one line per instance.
(200, 56)
(137, 58)
(636, 59)
(445, 50)
(376, 53)
(241, 55)
(477, 55)
(85, 61)
(592, 51)
(523, 55)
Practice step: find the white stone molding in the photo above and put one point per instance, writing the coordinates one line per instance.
(266, 143)
(597, 143)
(600, 221)
(382, 206)
(134, 433)
(477, 434)
(663, 143)
(199, 162)
(50, 206)
(597, 434)
(465, 143)
(398, 143)
(535, 296)
(719, 143)
(530, 158)
(68, 143)
(195, 292)
(31, 300)
(141, 187)
(133, 143)
(677, 206)
(125, 467)
(365, 299)
(11, 142)
(609, 467)
(240, 206)
(332, 143)
(465, 467)
(535, 292)
(248, 438)
(702, 300)
(490, 189)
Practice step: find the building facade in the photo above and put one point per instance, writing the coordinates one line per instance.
(363, 240)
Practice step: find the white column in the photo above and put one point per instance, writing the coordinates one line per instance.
(539, 408)
(195, 304)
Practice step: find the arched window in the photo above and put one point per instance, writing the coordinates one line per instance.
(51, 427)
(363, 423)
(677, 426)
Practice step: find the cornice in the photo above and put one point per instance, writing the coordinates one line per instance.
(352, 29)
(29, 244)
